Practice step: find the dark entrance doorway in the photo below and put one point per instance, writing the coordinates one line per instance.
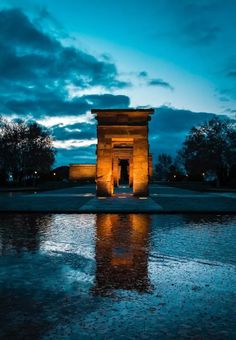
(124, 172)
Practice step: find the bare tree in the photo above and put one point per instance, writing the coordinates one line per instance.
(211, 148)
(26, 149)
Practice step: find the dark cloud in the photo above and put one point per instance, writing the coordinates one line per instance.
(200, 33)
(167, 119)
(224, 99)
(197, 29)
(144, 77)
(229, 71)
(231, 111)
(143, 74)
(169, 127)
(16, 29)
(108, 101)
(36, 69)
(161, 83)
(53, 105)
(226, 94)
(231, 74)
(74, 131)
(196, 23)
(35, 72)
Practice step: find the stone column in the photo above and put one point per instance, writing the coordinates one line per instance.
(131, 171)
(115, 170)
(104, 177)
(140, 167)
(150, 171)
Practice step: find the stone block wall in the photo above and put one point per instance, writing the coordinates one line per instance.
(82, 172)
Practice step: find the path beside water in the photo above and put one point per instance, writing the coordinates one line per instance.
(82, 199)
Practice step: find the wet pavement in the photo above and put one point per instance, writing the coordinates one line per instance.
(117, 276)
(82, 199)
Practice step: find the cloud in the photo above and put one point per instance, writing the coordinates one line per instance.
(231, 74)
(196, 23)
(16, 29)
(169, 127)
(144, 77)
(226, 94)
(107, 101)
(227, 89)
(36, 72)
(231, 111)
(143, 74)
(74, 143)
(200, 33)
(161, 83)
(54, 105)
(36, 69)
(167, 130)
(74, 131)
(229, 71)
(201, 25)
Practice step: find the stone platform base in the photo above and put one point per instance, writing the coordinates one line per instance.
(121, 205)
(82, 199)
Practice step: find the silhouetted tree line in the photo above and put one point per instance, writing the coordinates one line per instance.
(208, 153)
(26, 151)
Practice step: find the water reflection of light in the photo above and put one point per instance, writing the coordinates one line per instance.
(122, 252)
(71, 234)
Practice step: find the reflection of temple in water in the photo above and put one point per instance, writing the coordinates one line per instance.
(122, 252)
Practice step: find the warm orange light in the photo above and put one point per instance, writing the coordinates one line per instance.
(123, 135)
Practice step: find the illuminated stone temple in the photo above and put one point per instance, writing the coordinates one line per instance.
(123, 157)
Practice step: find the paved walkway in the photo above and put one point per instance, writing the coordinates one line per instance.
(82, 199)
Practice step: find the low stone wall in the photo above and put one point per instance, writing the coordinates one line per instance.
(82, 172)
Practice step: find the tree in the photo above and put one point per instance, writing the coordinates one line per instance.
(26, 149)
(211, 148)
(163, 167)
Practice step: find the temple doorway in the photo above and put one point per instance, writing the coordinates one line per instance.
(124, 172)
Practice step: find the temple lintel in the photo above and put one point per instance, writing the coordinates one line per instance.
(123, 111)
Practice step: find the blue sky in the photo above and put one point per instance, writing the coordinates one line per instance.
(59, 59)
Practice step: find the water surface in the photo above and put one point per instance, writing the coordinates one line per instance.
(112, 276)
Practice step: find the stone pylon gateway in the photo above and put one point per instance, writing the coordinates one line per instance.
(123, 157)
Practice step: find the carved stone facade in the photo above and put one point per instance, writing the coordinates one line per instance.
(123, 156)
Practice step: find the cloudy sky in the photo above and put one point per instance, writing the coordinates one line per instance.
(59, 59)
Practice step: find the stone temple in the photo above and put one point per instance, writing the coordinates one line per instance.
(123, 156)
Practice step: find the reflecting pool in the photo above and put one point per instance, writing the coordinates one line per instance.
(117, 276)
